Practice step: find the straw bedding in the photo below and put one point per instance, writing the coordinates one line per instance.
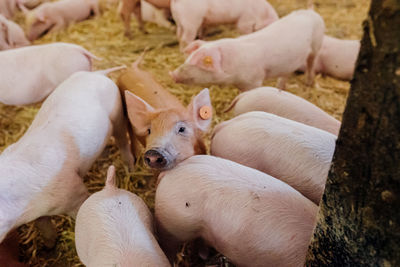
(103, 36)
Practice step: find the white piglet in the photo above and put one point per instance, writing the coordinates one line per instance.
(114, 227)
(297, 154)
(11, 34)
(191, 16)
(284, 104)
(337, 58)
(42, 174)
(29, 74)
(275, 51)
(250, 217)
(53, 16)
(8, 8)
(156, 15)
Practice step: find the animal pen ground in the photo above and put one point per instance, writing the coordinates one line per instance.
(103, 36)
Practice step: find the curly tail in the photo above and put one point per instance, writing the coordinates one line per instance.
(234, 101)
(110, 180)
(139, 60)
(107, 71)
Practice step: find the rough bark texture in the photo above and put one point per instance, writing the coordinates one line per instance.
(359, 219)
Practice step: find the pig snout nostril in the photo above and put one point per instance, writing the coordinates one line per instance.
(155, 159)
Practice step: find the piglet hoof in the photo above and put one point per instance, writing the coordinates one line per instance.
(128, 35)
(131, 166)
(48, 231)
(310, 82)
(202, 248)
(50, 243)
(281, 84)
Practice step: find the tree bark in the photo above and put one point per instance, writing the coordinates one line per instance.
(359, 217)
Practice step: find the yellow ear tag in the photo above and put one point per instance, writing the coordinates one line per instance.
(208, 61)
(205, 112)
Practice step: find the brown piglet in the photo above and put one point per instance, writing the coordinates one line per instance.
(167, 130)
(9, 251)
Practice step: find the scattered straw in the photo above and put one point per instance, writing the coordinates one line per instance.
(103, 36)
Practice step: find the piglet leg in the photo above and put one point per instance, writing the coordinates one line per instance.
(79, 196)
(138, 14)
(310, 73)
(95, 8)
(245, 25)
(122, 141)
(281, 84)
(59, 25)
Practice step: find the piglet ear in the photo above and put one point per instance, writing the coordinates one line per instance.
(209, 58)
(110, 181)
(201, 109)
(193, 46)
(6, 32)
(138, 113)
(40, 16)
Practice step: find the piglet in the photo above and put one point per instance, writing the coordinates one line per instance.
(54, 16)
(30, 74)
(42, 173)
(250, 217)
(284, 104)
(168, 131)
(337, 58)
(275, 51)
(297, 154)
(11, 34)
(114, 227)
(156, 15)
(249, 16)
(8, 8)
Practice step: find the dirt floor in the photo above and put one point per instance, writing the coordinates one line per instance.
(103, 36)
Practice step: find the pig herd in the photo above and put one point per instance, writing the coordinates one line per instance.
(254, 199)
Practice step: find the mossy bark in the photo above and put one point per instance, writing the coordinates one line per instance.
(359, 219)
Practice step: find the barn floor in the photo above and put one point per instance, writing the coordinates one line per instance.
(103, 36)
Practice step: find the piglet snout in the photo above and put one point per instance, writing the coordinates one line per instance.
(155, 159)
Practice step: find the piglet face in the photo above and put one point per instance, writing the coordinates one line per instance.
(11, 36)
(38, 25)
(203, 66)
(171, 135)
(170, 138)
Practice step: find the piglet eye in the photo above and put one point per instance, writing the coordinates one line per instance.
(182, 129)
(148, 131)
